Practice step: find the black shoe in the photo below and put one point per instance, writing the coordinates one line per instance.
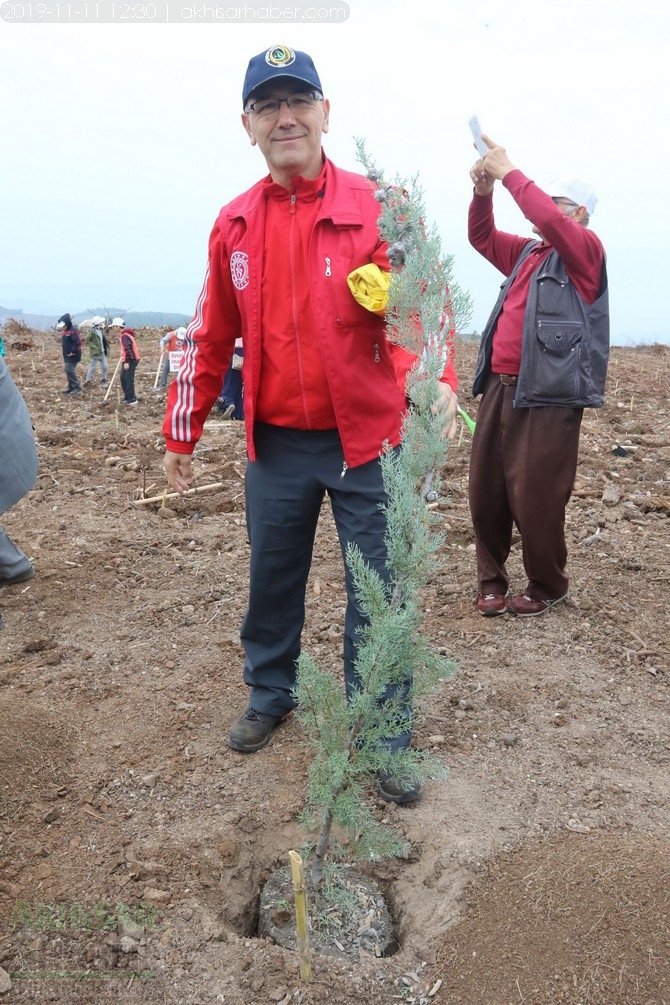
(20, 577)
(398, 788)
(253, 730)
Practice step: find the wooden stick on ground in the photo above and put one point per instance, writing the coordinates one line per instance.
(178, 495)
(111, 383)
(160, 367)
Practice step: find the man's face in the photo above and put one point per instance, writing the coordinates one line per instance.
(290, 139)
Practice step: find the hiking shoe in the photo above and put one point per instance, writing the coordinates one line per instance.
(20, 577)
(253, 730)
(524, 606)
(490, 605)
(398, 788)
(227, 412)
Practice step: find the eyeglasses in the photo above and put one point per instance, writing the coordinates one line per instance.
(564, 204)
(296, 102)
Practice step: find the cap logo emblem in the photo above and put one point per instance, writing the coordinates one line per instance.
(280, 55)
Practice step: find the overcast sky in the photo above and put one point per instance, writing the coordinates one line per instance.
(120, 142)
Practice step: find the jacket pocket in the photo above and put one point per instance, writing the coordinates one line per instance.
(551, 295)
(557, 361)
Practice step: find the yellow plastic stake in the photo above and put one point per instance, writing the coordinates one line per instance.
(302, 929)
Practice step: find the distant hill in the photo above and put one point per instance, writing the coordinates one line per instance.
(136, 319)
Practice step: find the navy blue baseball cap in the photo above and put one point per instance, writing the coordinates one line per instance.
(279, 61)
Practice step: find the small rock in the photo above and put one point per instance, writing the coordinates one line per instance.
(436, 740)
(5, 982)
(52, 815)
(152, 896)
(611, 494)
(165, 513)
(276, 994)
(127, 929)
(128, 945)
(509, 739)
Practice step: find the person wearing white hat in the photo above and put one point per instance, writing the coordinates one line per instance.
(172, 346)
(97, 347)
(542, 360)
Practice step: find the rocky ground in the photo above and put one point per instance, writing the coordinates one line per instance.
(134, 843)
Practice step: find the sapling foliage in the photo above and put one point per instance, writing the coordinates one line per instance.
(396, 666)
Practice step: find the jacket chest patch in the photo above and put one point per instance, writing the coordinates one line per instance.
(239, 269)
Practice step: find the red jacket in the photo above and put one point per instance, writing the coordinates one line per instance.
(365, 372)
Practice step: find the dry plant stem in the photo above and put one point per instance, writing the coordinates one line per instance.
(302, 928)
(177, 495)
(159, 367)
(111, 383)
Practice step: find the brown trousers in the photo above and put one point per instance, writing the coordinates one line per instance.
(522, 471)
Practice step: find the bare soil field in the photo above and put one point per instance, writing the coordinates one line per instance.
(134, 843)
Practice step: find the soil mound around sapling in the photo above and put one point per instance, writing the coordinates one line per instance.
(348, 915)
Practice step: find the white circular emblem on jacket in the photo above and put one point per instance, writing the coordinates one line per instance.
(239, 269)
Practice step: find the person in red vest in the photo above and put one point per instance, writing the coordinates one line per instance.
(130, 356)
(172, 344)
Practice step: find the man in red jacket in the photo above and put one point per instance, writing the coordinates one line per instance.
(324, 389)
(542, 360)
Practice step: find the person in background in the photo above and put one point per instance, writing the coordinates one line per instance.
(172, 346)
(542, 360)
(324, 387)
(130, 357)
(18, 471)
(116, 326)
(97, 347)
(231, 400)
(71, 348)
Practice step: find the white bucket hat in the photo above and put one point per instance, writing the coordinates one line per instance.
(117, 323)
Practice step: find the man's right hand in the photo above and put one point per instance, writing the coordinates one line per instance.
(179, 471)
(494, 165)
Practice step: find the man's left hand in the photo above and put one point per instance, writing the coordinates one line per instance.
(447, 406)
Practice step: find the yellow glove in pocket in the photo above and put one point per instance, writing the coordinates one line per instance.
(370, 287)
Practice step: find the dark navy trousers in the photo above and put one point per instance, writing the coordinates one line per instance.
(285, 488)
